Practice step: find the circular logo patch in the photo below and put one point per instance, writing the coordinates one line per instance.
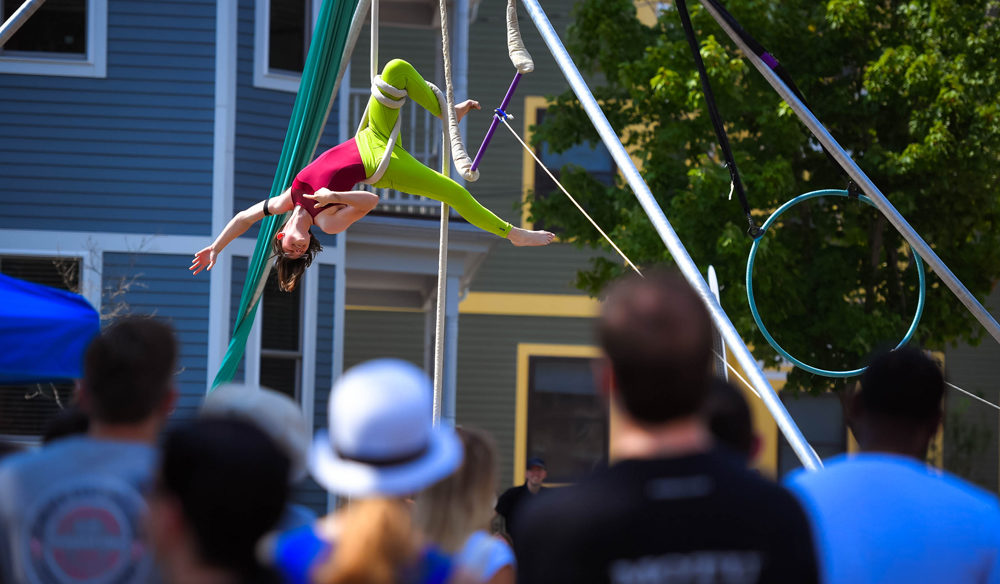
(87, 532)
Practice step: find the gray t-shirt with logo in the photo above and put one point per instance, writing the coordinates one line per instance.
(71, 513)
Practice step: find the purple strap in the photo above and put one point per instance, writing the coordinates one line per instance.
(770, 60)
(496, 120)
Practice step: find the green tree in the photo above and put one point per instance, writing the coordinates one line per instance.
(908, 88)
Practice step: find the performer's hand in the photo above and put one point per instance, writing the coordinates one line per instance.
(324, 197)
(203, 260)
(465, 107)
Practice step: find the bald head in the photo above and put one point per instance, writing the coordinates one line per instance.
(658, 336)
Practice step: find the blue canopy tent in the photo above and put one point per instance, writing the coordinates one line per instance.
(43, 332)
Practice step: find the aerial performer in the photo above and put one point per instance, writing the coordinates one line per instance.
(321, 193)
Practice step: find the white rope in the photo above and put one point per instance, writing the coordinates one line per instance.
(738, 376)
(519, 55)
(972, 395)
(462, 160)
(565, 192)
(951, 385)
(379, 89)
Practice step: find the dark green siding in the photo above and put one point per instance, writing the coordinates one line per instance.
(370, 334)
(971, 427)
(487, 371)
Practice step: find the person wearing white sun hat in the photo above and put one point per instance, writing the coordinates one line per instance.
(381, 446)
(382, 440)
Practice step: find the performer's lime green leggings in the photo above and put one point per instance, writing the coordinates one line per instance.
(405, 173)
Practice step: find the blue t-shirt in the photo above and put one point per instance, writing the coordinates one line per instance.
(296, 552)
(483, 555)
(72, 512)
(888, 518)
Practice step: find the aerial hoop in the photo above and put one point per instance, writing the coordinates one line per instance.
(753, 305)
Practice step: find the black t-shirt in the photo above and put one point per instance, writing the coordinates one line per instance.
(702, 518)
(511, 502)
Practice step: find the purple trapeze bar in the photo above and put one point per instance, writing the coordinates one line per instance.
(496, 120)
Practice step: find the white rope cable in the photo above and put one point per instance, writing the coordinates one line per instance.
(972, 395)
(565, 192)
(462, 160)
(735, 372)
(949, 384)
(518, 53)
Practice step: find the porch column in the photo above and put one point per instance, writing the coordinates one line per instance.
(450, 351)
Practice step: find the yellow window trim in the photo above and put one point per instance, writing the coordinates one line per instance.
(517, 304)
(531, 105)
(366, 308)
(524, 352)
(511, 304)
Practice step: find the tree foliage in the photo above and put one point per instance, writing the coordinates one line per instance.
(908, 88)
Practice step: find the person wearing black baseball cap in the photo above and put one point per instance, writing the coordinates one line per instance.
(511, 501)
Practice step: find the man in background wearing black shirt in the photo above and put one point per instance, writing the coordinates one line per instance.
(672, 508)
(514, 498)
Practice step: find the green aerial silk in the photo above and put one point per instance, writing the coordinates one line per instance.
(312, 104)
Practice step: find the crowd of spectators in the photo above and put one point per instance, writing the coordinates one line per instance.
(115, 494)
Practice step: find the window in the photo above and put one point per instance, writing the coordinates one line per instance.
(596, 160)
(562, 417)
(63, 37)
(25, 409)
(821, 420)
(287, 35)
(281, 339)
(283, 33)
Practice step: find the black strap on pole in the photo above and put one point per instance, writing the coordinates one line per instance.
(720, 130)
(771, 62)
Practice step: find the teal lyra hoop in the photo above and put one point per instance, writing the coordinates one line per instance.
(753, 305)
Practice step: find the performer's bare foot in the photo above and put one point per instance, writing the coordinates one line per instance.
(524, 238)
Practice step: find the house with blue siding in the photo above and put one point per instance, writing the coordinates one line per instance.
(134, 130)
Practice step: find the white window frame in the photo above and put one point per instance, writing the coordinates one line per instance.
(263, 76)
(306, 390)
(93, 64)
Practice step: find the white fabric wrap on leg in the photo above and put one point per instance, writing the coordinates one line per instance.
(450, 124)
(515, 46)
(380, 90)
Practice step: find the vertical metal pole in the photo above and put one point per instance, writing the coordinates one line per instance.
(20, 16)
(861, 179)
(442, 295)
(450, 366)
(684, 262)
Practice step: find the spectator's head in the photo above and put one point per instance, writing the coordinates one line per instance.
(382, 445)
(71, 421)
(128, 372)
(657, 337)
(276, 414)
(729, 419)
(535, 473)
(382, 440)
(222, 485)
(898, 404)
(453, 508)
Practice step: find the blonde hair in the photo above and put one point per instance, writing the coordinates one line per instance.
(455, 507)
(378, 542)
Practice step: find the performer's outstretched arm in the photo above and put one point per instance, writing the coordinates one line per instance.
(351, 206)
(237, 226)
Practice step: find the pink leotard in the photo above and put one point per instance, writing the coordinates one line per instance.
(337, 169)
